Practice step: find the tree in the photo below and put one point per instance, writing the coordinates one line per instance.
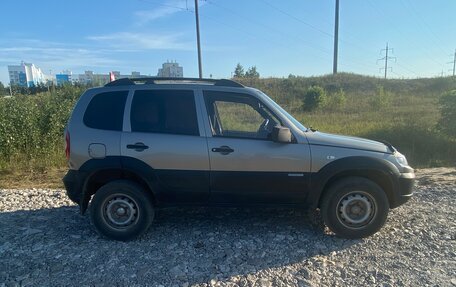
(447, 123)
(239, 71)
(314, 98)
(252, 73)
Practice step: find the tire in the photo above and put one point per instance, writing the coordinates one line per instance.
(354, 207)
(121, 210)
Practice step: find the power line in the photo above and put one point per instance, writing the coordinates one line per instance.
(251, 35)
(297, 19)
(407, 69)
(423, 23)
(154, 2)
(319, 30)
(397, 74)
(351, 60)
(381, 13)
(386, 58)
(270, 28)
(282, 33)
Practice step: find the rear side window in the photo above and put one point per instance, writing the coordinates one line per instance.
(164, 111)
(105, 111)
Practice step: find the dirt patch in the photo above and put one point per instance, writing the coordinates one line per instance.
(440, 175)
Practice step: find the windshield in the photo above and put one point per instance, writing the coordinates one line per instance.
(284, 112)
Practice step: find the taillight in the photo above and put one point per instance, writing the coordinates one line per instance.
(67, 145)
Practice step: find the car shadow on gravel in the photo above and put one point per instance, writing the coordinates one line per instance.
(183, 246)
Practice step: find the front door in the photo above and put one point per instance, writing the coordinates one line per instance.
(246, 165)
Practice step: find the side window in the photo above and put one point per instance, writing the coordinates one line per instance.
(164, 111)
(105, 111)
(238, 115)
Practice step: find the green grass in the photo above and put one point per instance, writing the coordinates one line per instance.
(31, 127)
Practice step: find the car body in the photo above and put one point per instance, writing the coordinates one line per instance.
(184, 142)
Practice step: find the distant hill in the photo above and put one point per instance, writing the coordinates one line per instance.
(356, 84)
(408, 116)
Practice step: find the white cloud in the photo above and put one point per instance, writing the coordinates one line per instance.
(142, 41)
(166, 9)
(144, 17)
(66, 57)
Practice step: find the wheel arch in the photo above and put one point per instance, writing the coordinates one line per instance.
(100, 172)
(380, 171)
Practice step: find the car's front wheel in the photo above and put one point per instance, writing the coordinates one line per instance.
(121, 210)
(354, 207)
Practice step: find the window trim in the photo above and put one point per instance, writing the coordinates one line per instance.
(248, 97)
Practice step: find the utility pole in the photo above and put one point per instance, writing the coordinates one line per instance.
(386, 58)
(336, 37)
(454, 62)
(200, 69)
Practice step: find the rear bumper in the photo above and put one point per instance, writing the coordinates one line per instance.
(73, 185)
(404, 189)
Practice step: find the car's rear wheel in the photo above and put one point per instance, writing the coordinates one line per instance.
(121, 210)
(354, 207)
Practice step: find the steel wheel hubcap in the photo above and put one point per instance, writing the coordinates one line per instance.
(356, 209)
(120, 211)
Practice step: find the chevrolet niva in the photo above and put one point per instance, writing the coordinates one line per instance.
(136, 145)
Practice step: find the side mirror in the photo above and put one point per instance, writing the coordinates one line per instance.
(281, 134)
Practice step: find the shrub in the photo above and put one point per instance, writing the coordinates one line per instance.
(337, 100)
(31, 128)
(381, 99)
(314, 98)
(447, 122)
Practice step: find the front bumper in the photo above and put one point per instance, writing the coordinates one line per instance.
(403, 189)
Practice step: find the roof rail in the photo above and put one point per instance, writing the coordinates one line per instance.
(155, 80)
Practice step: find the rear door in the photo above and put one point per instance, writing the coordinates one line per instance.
(246, 165)
(162, 130)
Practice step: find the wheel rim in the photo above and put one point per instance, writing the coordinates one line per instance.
(356, 209)
(120, 211)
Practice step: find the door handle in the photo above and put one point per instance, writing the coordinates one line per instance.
(137, 146)
(223, 149)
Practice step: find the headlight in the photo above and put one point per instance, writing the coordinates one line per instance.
(400, 158)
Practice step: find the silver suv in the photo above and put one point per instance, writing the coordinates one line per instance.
(136, 145)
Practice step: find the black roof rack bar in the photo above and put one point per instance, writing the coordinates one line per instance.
(120, 82)
(153, 80)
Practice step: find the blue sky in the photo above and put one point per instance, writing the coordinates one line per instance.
(279, 37)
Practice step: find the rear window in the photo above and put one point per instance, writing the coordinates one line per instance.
(105, 111)
(164, 111)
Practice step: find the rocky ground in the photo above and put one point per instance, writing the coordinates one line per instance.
(45, 242)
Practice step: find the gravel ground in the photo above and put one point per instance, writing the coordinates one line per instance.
(45, 242)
